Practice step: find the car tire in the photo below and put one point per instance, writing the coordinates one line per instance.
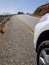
(42, 52)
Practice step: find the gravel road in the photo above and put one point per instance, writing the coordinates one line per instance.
(16, 44)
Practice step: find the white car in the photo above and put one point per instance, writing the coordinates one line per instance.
(41, 40)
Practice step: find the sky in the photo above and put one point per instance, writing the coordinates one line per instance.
(14, 6)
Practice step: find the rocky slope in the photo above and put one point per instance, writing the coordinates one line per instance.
(40, 11)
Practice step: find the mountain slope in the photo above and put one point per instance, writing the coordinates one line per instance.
(40, 11)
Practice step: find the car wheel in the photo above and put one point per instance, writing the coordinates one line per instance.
(43, 54)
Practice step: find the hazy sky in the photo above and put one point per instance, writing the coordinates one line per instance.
(13, 6)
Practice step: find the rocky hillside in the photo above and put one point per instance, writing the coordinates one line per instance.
(40, 11)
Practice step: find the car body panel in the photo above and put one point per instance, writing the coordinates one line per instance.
(42, 26)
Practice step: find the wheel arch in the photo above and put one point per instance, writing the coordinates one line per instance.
(43, 36)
